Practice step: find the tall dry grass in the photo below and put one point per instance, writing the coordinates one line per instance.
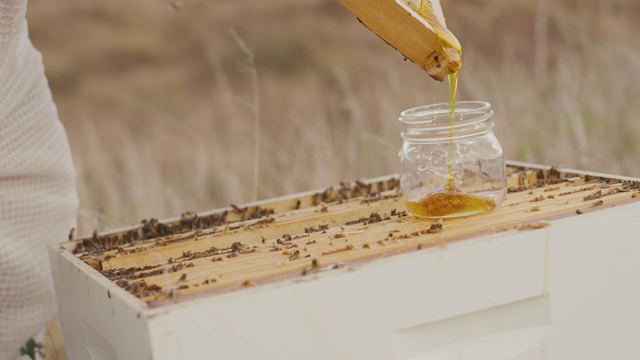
(165, 108)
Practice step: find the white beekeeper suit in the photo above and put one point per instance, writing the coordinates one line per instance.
(38, 200)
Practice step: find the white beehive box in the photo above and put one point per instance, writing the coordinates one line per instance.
(550, 274)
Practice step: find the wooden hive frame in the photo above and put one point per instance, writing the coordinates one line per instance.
(241, 247)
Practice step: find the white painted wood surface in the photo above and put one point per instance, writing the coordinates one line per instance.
(567, 291)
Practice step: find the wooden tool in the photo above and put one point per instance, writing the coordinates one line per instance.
(416, 28)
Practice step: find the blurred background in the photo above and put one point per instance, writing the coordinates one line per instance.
(194, 105)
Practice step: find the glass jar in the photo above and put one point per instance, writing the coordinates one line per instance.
(451, 167)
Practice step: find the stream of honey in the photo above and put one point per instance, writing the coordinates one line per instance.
(450, 201)
(453, 87)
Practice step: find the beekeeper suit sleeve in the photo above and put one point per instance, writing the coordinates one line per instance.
(38, 201)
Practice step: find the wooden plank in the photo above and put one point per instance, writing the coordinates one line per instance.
(396, 22)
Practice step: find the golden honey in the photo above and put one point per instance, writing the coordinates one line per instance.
(450, 204)
(453, 86)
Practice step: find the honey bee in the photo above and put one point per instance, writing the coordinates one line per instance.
(188, 220)
(248, 284)
(295, 255)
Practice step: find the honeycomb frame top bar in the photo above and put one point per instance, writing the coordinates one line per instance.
(164, 262)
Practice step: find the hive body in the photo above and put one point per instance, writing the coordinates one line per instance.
(343, 273)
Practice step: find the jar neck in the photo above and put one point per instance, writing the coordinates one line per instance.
(433, 123)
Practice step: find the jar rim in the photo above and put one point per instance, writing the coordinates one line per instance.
(432, 123)
(427, 115)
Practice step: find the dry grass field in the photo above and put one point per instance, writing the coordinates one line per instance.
(193, 104)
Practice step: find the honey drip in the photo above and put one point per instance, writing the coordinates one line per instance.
(451, 201)
(453, 86)
(432, 14)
